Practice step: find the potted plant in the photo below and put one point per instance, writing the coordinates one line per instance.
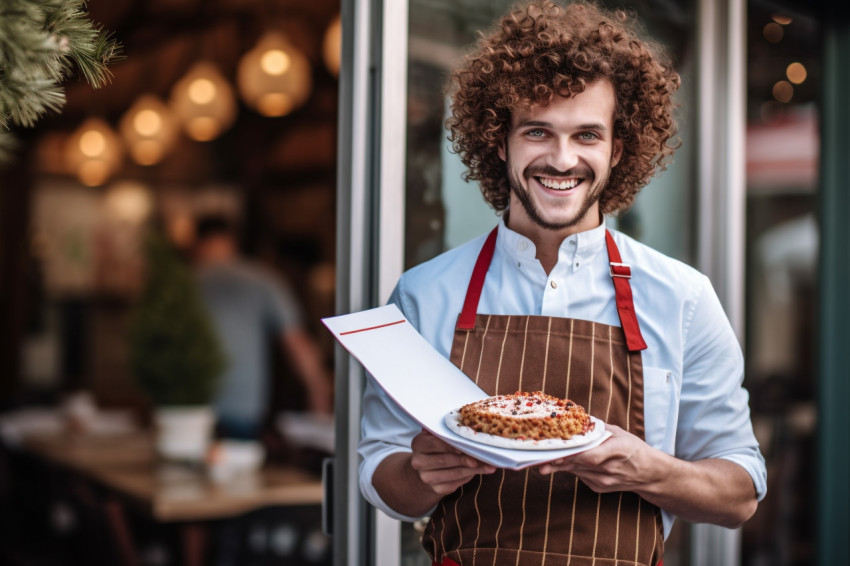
(175, 354)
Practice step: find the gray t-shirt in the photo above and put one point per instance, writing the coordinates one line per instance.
(249, 308)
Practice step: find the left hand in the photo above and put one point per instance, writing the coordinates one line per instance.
(711, 490)
(618, 464)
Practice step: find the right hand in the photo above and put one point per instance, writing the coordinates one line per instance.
(441, 466)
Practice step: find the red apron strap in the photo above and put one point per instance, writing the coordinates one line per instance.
(620, 274)
(466, 320)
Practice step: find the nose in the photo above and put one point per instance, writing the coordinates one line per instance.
(563, 155)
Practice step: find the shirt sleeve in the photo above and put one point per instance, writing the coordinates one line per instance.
(714, 414)
(385, 429)
(283, 311)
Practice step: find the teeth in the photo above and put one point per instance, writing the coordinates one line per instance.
(562, 185)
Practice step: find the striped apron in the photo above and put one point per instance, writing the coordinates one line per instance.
(522, 517)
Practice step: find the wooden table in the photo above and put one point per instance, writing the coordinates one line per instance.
(126, 472)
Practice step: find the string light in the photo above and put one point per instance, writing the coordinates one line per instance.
(783, 91)
(773, 32)
(796, 73)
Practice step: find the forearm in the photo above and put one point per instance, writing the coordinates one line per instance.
(706, 491)
(412, 483)
(400, 486)
(307, 361)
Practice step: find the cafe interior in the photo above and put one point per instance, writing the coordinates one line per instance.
(234, 107)
(225, 107)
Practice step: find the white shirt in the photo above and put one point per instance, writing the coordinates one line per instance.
(695, 406)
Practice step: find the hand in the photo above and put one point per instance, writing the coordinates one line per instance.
(320, 397)
(442, 467)
(618, 464)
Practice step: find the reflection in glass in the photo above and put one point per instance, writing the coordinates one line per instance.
(782, 248)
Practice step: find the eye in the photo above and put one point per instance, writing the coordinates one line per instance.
(588, 136)
(535, 133)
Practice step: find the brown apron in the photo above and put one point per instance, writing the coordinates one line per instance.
(522, 517)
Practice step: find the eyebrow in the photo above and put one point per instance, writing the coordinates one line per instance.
(598, 126)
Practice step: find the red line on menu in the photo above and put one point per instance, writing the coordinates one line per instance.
(372, 327)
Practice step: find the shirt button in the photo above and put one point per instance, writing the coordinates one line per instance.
(523, 245)
(553, 284)
(572, 242)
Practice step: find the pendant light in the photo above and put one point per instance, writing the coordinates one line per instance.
(203, 102)
(274, 78)
(332, 46)
(94, 152)
(149, 130)
(129, 202)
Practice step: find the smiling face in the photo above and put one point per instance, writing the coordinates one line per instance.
(559, 157)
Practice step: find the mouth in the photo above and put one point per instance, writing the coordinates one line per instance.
(559, 183)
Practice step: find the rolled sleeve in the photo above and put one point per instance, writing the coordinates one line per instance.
(714, 418)
(385, 429)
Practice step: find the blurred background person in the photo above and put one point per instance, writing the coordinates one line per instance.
(252, 309)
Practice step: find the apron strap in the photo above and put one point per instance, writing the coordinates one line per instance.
(466, 320)
(620, 274)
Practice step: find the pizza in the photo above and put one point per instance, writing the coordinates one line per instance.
(526, 416)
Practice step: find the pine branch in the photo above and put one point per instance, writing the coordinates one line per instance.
(41, 43)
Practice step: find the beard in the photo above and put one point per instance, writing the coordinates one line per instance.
(524, 197)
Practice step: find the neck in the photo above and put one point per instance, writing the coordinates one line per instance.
(215, 251)
(547, 242)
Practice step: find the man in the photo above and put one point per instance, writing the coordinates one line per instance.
(248, 307)
(562, 114)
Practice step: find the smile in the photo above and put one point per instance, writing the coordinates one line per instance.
(559, 184)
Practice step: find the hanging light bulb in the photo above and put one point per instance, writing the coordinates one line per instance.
(274, 77)
(128, 201)
(149, 130)
(94, 152)
(203, 102)
(332, 46)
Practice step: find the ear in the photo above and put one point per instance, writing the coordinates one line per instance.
(501, 150)
(617, 152)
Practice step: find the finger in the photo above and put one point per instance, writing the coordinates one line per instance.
(445, 460)
(559, 465)
(427, 442)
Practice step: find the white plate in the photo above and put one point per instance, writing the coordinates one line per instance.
(451, 420)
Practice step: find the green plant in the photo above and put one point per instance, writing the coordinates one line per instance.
(41, 43)
(175, 354)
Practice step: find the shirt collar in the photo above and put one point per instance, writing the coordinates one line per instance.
(519, 248)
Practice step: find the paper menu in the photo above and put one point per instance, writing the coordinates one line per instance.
(423, 382)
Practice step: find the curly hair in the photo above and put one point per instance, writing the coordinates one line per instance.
(539, 50)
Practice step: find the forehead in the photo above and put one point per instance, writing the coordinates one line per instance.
(596, 104)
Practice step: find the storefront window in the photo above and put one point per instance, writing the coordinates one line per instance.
(782, 252)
